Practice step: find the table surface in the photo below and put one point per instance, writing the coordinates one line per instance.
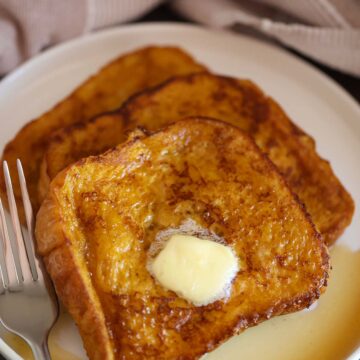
(349, 83)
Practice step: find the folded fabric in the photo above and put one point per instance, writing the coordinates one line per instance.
(325, 30)
(29, 26)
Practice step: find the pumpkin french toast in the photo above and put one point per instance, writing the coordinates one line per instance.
(105, 91)
(102, 214)
(237, 102)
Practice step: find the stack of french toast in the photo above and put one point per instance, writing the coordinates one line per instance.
(155, 140)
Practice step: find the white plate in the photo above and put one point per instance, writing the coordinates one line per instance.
(311, 99)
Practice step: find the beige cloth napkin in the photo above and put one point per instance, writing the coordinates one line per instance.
(29, 26)
(325, 30)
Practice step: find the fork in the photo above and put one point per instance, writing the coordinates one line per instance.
(28, 304)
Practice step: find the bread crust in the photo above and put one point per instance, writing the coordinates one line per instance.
(72, 282)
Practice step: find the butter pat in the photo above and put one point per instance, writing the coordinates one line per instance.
(196, 269)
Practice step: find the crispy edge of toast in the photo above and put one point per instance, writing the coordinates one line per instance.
(70, 280)
(69, 145)
(305, 143)
(30, 141)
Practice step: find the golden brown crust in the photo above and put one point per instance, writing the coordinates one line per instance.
(70, 144)
(243, 104)
(71, 280)
(102, 92)
(109, 208)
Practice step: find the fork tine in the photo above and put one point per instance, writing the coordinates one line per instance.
(9, 245)
(4, 276)
(29, 242)
(18, 240)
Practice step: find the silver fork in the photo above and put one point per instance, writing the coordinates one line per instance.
(28, 304)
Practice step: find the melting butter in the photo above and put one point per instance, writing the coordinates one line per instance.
(331, 331)
(196, 269)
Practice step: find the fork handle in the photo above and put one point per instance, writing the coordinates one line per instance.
(40, 352)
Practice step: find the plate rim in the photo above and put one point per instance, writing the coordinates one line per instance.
(344, 96)
(93, 37)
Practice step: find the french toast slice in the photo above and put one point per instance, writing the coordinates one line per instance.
(238, 102)
(101, 215)
(104, 91)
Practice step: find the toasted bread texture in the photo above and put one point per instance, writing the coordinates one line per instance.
(238, 102)
(101, 215)
(103, 92)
